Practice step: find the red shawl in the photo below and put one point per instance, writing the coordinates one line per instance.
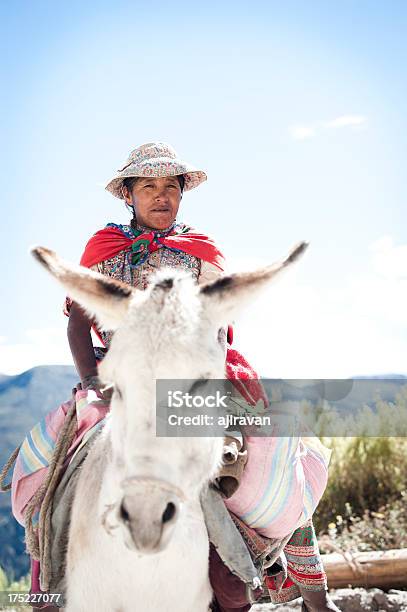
(111, 240)
(106, 243)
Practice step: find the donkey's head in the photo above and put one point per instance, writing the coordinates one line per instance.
(169, 331)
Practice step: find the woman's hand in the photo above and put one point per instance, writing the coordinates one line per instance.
(93, 382)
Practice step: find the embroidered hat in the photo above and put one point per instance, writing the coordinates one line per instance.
(155, 159)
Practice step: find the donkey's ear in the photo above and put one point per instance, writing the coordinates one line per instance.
(102, 297)
(228, 295)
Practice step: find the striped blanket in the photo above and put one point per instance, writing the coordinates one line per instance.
(36, 451)
(282, 483)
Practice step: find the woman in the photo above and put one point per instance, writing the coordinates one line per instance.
(154, 201)
(152, 183)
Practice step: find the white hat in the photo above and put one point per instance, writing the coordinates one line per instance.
(155, 159)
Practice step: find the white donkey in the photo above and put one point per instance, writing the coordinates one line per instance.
(137, 537)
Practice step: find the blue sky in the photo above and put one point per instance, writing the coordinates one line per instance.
(295, 110)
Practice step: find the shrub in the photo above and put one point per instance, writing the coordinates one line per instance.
(366, 474)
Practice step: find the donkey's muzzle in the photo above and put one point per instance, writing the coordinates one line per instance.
(148, 512)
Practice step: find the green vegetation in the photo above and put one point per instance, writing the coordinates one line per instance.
(365, 504)
(17, 586)
(23, 584)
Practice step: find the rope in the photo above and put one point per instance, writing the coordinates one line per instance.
(38, 540)
(4, 471)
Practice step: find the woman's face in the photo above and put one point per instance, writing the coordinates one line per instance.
(155, 200)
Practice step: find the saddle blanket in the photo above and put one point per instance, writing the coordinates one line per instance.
(282, 483)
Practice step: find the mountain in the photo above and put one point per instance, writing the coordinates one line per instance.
(27, 397)
(24, 400)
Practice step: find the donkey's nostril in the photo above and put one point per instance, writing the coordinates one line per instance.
(169, 512)
(124, 515)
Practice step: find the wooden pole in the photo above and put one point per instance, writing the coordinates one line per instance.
(380, 569)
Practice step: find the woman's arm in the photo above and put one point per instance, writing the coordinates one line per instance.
(80, 342)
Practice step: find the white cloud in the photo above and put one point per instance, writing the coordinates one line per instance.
(305, 331)
(302, 332)
(302, 132)
(295, 330)
(346, 121)
(39, 347)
